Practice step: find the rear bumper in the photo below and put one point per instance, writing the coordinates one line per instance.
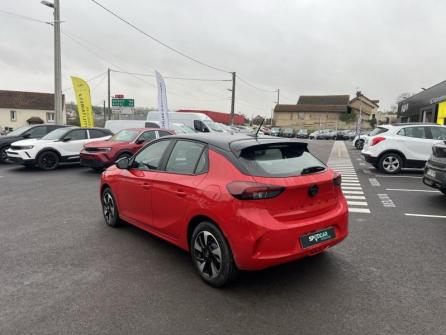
(439, 181)
(273, 243)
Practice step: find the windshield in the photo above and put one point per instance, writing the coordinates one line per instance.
(125, 135)
(56, 134)
(280, 160)
(213, 126)
(18, 131)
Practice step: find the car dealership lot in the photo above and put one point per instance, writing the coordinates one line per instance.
(64, 271)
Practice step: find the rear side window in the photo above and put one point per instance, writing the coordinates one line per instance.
(377, 131)
(280, 160)
(97, 133)
(417, 132)
(163, 133)
(185, 157)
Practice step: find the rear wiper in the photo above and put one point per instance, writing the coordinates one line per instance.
(313, 169)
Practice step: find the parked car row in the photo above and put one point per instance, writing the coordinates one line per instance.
(331, 134)
(392, 148)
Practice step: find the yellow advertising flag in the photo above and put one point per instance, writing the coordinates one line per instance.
(83, 100)
(441, 118)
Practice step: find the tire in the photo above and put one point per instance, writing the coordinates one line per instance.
(3, 155)
(48, 160)
(359, 144)
(110, 209)
(97, 169)
(443, 190)
(390, 163)
(212, 256)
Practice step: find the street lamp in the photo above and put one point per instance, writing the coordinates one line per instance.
(58, 109)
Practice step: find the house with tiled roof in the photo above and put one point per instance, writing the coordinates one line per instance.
(18, 108)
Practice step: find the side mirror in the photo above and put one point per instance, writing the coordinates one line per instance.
(140, 141)
(66, 139)
(123, 163)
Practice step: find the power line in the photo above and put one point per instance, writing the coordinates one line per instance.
(254, 86)
(170, 77)
(157, 40)
(88, 80)
(23, 17)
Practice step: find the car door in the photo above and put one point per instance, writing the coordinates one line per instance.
(415, 142)
(134, 194)
(72, 144)
(176, 186)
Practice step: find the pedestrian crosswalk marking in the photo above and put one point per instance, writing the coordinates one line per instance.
(341, 162)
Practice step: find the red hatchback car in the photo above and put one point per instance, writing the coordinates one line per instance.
(234, 201)
(99, 155)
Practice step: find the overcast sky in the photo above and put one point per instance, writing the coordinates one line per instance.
(384, 47)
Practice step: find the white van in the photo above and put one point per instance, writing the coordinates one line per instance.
(198, 121)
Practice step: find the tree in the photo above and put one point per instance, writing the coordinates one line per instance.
(348, 117)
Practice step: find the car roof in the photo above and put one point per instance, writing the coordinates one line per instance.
(410, 124)
(234, 141)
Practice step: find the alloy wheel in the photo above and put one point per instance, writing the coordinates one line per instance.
(207, 254)
(108, 207)
(3, 155)
(48, 161)
(391, 164)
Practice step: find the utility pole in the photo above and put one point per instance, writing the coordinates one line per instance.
(108, 93)
(58, 108)
(233, 98)
(278, 96)
(105, 114)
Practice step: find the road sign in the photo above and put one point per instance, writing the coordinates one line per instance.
(123, 102)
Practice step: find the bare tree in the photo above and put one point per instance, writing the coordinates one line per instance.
(399, 98)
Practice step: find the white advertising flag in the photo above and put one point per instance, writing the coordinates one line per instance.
(162, 101)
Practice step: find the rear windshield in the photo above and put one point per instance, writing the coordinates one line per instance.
(378, 131)
(280, 160)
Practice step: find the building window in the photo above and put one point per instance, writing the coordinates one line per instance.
(49, 117)
(13, 115)
(301, 115)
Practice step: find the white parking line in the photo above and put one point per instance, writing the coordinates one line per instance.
(351, 184)
(354, 197)
(351, 187)
(358, 210)
(357, 203)
(374, 182)
(382, 176)
(352, 192)
(407, 190)
(426, 215)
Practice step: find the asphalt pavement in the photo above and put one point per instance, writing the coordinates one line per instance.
(63, 271)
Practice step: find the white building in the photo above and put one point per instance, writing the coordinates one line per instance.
(19, 109)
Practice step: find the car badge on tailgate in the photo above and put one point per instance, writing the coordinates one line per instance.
(313, 190)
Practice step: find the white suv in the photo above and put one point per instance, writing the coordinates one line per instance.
(62, 145)
(391, 148)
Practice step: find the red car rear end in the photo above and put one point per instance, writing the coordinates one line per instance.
(234, 201)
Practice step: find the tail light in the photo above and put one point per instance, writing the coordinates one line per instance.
(377, 140)
(245, 190)
(337, 180)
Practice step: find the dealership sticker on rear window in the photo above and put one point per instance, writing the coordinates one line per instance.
(316, 238)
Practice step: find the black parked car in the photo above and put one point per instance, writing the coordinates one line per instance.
(35, 131)
(435, 170)
(302, 133)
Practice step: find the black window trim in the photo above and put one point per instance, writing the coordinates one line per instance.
(162, 160)
(203, 151)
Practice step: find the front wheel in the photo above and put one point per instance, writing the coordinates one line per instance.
(109, 208)
(359, 144)
(212, 256)
(390, 163)
(443, 190)
(48, 160)
(3, 155)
